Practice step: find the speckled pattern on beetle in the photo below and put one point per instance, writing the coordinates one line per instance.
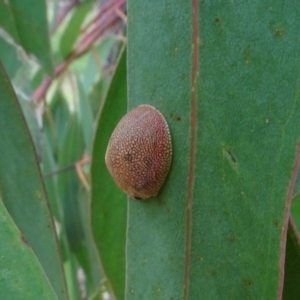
(139, 152)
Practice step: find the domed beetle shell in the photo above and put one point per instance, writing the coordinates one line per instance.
(139, 152)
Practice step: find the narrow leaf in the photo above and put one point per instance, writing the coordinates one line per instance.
(86, 116)
(109, 205)
(71, 151)
(87, 253)
(7, 21)
(9, 57)
(22, 188)
(72, 30)
(30, 18)
(20, 271)
(291, 289)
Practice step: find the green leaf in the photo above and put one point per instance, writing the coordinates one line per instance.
(72, 30)
(226, 78)
(9, 57)
(87, 253)
(109, 206)
(86, 116)
(295, 210)
(48, 166)
(68, 184)
(30, 20)
(20, 271)
(96, 63)
(97, 95)
(22, 188)
(81, 251)
(71, 151)
(291, 289)
(32, 123)
(7, 21)
(57, 120)
(71, 268)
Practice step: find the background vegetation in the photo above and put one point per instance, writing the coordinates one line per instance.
(226, 77)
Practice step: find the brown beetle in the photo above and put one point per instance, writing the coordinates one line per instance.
(139, 152)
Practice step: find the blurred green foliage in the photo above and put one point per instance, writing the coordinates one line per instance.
(62, 117)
